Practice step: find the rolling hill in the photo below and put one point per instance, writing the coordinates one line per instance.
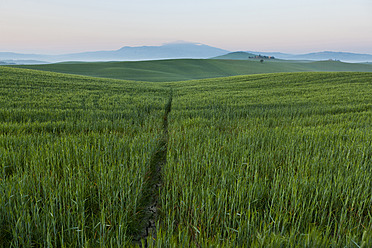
(188, 69)
(269, 160)
(236, 56)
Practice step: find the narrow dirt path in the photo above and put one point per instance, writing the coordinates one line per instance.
(149, 202)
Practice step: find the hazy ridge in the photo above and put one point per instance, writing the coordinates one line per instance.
(175, 50)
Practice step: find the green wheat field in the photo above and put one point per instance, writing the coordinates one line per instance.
(263, 160)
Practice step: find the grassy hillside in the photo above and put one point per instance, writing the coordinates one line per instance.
(187, 69)
(274, 160)
(269, 160)
(236, 56)
(73, 158)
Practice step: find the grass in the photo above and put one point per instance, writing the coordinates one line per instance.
(188, 69)
(268, 160)
(237, 56)
(73, 157)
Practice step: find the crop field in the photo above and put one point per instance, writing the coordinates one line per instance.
(188, 69)
(271, 160)
(73, 156)
(267, 160)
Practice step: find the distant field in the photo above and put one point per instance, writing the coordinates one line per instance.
(187, 69)
(269, 160)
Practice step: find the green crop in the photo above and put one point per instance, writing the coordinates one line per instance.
(187, 69)
(73, 156)
(268, 160)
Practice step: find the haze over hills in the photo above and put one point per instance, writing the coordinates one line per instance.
(316, 56)
(176, 50)
(336, 56)
(343, 56)
(22, 62)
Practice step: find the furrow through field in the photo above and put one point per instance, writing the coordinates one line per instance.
(149, 202)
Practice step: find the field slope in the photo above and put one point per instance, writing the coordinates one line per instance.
(187, 69)
(268, 160)
(74, 152)
(271, 160)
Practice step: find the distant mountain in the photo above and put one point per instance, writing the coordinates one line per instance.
(178, 50)
(22, 62)
(348, 57)
(7, 56)
(174, 50)
(327, 55)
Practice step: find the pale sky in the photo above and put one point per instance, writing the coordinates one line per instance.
(294, 26)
